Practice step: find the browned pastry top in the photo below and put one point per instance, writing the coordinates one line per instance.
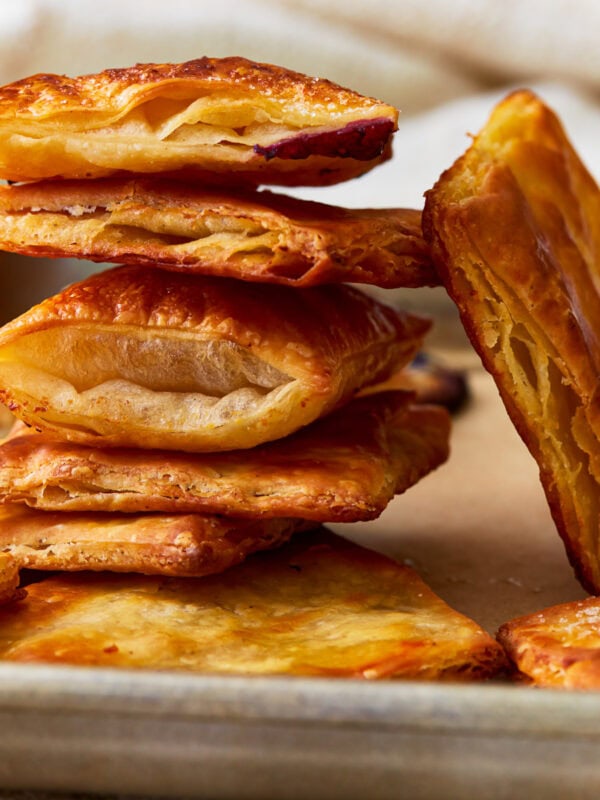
(151, 544)
(343, 468)
(249, 122)
(319, 606)
(157, 359)
(44, 95)
(557, 647)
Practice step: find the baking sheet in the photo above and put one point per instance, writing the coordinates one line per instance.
(67, 729)
(480, 533)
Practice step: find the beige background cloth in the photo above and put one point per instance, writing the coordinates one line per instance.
(412, 53)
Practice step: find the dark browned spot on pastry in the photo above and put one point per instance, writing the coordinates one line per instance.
(437, 383)
(363, 141)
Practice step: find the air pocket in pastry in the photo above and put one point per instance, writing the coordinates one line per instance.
(228, 119)
(156, 359)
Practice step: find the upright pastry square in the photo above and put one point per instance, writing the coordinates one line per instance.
(514, 227)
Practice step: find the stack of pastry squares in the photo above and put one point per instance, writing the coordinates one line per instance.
(197, 403)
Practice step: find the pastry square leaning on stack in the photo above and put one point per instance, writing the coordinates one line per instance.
(514, 227)
(184, 409)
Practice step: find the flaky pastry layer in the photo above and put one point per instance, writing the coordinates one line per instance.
(343, 468)
(211, 119)
(255, 236)
(151, 544)
(515, 230)
(558, 647)
(9, 579)
(156, 359)
(319, 606)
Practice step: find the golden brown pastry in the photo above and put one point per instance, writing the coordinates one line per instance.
(515, 229)
(319, 606)
(152, 544)
(343, 468)
(255, 236)
(9, 579)
(156, 359)
(7, 421)
(558, 647)
(226, 119)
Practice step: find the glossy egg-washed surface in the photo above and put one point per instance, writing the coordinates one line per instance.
(319, 606)
(558, 647)
(189, 362)
(46, 95)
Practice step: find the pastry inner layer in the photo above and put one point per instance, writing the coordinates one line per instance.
(178, 381)
(235, 124)
(122, 224)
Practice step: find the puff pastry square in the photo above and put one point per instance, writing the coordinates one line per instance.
(343, 468)
(515, 229)
(558, 647)
(151, 544)
(255, 236)
(318, 606)
(220, 119)
(156, 359)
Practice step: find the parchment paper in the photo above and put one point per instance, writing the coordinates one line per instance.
(478, 530)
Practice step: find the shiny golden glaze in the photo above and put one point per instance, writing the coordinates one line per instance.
(320, 606)
(45, 95)
(558, 647)
(189, 362)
